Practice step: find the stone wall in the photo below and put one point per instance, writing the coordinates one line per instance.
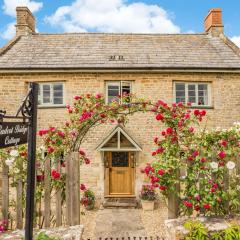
(175, 230)
(142, 127)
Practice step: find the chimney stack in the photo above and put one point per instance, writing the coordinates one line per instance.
(213, 22)
(25, 21)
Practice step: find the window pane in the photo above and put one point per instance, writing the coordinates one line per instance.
(180, 92)
(113, 92)
(46, 94)
(39, 95)
(192, 93)
(202, 94)
(126, 88)
(57, 94)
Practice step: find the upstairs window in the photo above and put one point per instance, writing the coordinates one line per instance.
(199, 94)
(116, 89)
(51, 94)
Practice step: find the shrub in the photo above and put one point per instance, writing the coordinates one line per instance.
(197, 231)
(147, 193)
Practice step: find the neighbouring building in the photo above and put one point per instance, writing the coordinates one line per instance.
(202, 68)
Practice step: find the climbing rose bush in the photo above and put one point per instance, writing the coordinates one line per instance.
(195, 161)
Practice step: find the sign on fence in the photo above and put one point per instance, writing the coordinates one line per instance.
(13, 134)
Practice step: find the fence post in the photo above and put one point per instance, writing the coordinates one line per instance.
(47, 193)
(73, 188)
(5, 191)
(226, 189)
(19, 203)
(58, 199)
(173, 201)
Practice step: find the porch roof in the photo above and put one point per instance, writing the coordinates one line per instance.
(114, 141)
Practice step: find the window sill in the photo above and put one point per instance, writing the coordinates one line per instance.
(202, 107)
(50, 107)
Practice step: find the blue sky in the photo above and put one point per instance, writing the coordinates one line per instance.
(170, 16)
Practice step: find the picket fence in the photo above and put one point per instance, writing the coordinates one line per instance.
(51, 211)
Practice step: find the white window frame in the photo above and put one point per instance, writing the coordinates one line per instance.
(40, 95)
(209, 92)
(117, 83)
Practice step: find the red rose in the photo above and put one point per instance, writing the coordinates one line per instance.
(55, 175)
(61, 134)
(180, 104)
(154, 180)
(82, 187)
(162, 188)
(187, 116)
(159, 150)
(198, 198)
(50, 149)
(82, 152)
(174, 139)
(103, 115)
(197, 208)
(196, 112)
(191, 129)
(161, 172)
(159, 117)
(203, 113)
(213, 190)
(87, 161)
(190, 158)
(224, 143)
(169, 131)
(180, 124)
(148, 169)
(221, 164)
(188, 204)
(222, 154)
(98, 95)
(203, 160)
(163, 133)
(40, 178)
(77, 98)
(156, 140)
(195, 153)
(52, 129)
(207, 206)
(154, 153)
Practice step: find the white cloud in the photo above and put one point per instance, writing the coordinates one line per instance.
(236, 40)
(112, 16)
(9, 6)
(10, 31)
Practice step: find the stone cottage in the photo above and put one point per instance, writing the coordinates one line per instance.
(203, 68)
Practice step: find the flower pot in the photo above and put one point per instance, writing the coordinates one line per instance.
(90, 206)
(147, 205)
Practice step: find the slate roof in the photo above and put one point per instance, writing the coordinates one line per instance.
(94, 50)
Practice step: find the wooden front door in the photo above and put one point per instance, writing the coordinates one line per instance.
(121, 170)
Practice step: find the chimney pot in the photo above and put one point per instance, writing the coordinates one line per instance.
(213, 22)
(25, 21)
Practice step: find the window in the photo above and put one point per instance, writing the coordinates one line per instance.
(116, 89)
(196, 93)
(51, 94)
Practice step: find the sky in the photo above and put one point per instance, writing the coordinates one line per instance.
(136, 16)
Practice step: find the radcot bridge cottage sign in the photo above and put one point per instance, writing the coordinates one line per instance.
(13, 134)
(24, 131)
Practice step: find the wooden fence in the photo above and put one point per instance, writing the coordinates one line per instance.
(51, 210)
